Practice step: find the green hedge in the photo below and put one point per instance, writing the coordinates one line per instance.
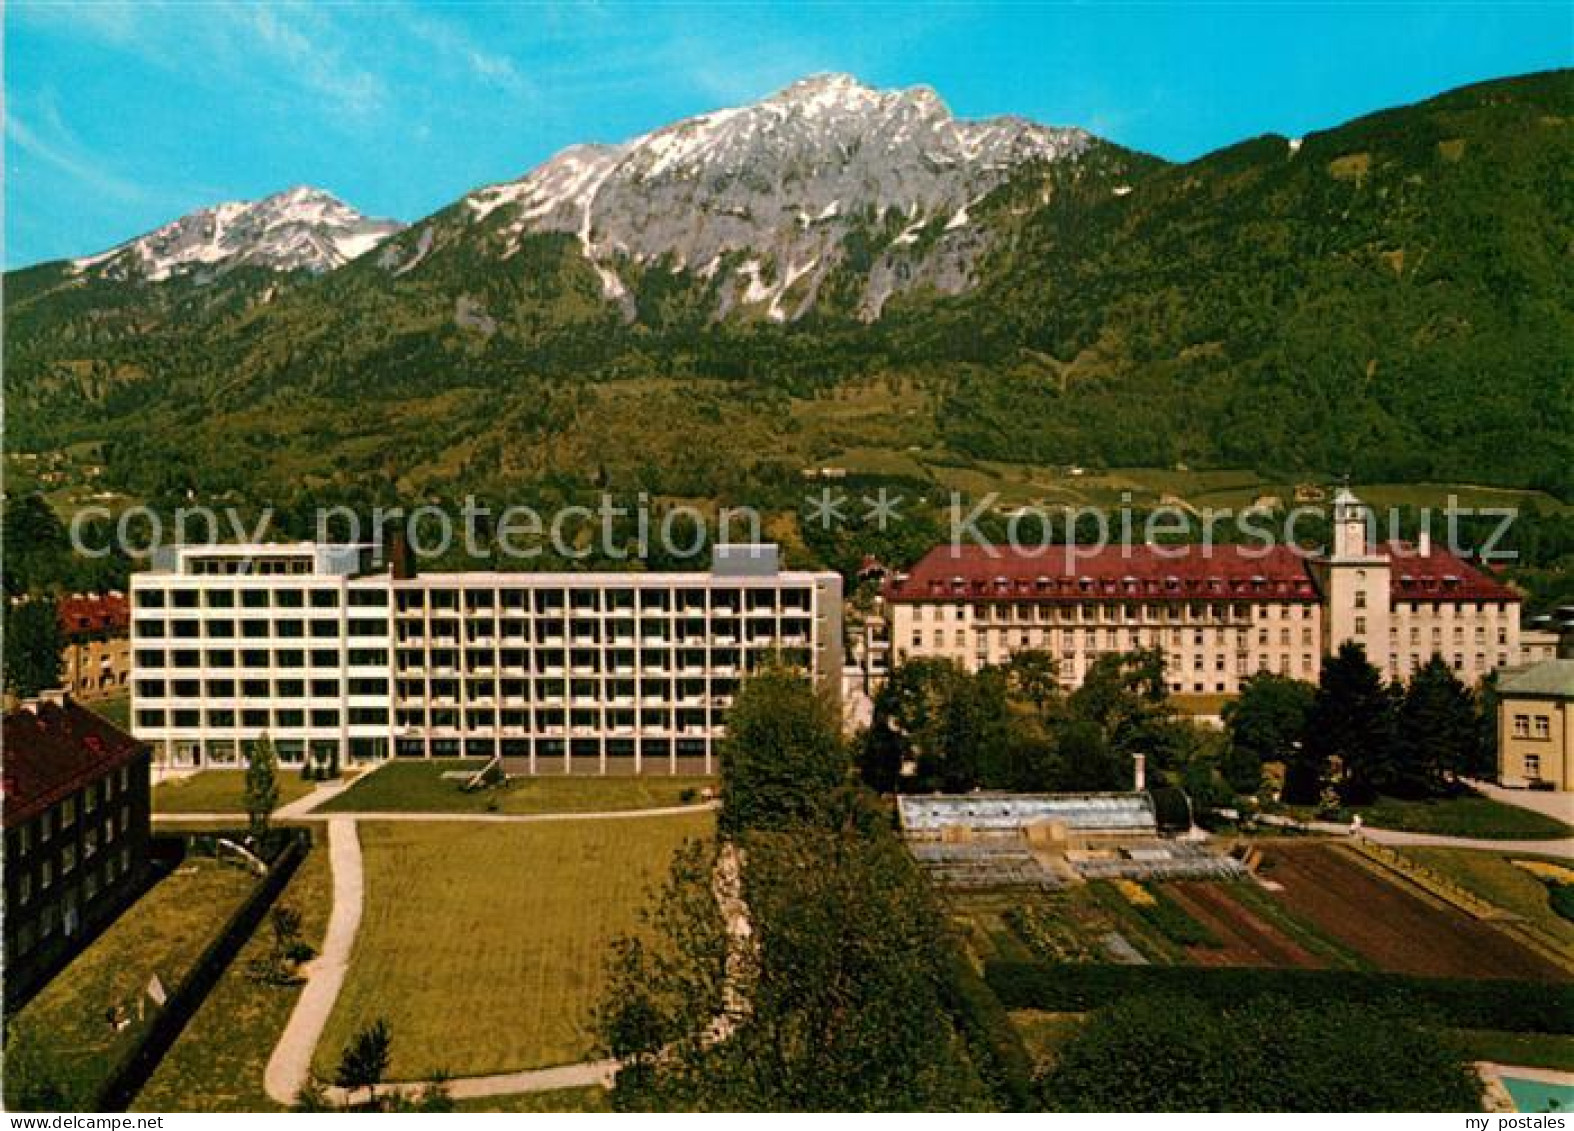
(993, 1041)
(1510, 1006)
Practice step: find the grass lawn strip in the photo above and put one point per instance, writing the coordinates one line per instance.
(62, 1037)
(219, 791)
(1477, 817)
(1495, 878)
(217, 1063)
(1530, 1050)
(416, 787)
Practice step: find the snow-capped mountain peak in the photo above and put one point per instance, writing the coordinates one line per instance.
(761, 198)
(299, 229)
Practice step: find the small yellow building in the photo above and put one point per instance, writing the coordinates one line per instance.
(1535, 725)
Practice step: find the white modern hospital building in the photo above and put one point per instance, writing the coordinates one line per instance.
(334, 656)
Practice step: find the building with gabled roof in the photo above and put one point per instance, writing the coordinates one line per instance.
(1536, 725)
(1218, 612)
(76, 815)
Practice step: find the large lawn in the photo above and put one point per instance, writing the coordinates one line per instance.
(409, 787)
(219, 791)
(62, 1038)
(485, 945)
(217, 1063)
(1472, 816)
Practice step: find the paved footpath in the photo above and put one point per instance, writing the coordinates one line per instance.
(473, 818)
(590, 1074)
(1561, 849)
(291, 1061)
(323, 793)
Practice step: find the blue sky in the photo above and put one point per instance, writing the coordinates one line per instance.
(120, 117)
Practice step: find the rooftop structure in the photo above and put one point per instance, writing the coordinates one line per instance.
(928, 817)
(1550, 679)
(1142, 571)
(54, 748)
(76, 816)
(106, 614)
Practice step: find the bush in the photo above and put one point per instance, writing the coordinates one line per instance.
(1510, 1006)
(993, 1041)
(1261, 1054)
(1561, 896)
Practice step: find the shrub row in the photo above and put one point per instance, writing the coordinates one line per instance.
(993, 1041)
(1512, 1006)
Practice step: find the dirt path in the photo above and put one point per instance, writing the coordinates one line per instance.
(1391, 925)
(1248, 941)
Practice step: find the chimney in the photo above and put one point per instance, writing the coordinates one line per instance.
(1139, 766)
(401, 565)
(1424, 543)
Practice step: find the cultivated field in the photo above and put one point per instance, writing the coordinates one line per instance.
(485, 945)
(1324, 907)
(1391, 925)
(1243, 937)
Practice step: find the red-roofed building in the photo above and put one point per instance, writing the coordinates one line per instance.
(96, 661)
(1220, 613)
(76, 817)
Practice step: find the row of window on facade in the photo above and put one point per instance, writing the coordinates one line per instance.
(282, 629)
(1118, 612)
(1455, 661)
(226, 598)
(64, 815)
(149, 659)
(691, 600)
(1048, 638)
(292, 718)
(1437, 633)
(53, 919)
(1532, 726)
